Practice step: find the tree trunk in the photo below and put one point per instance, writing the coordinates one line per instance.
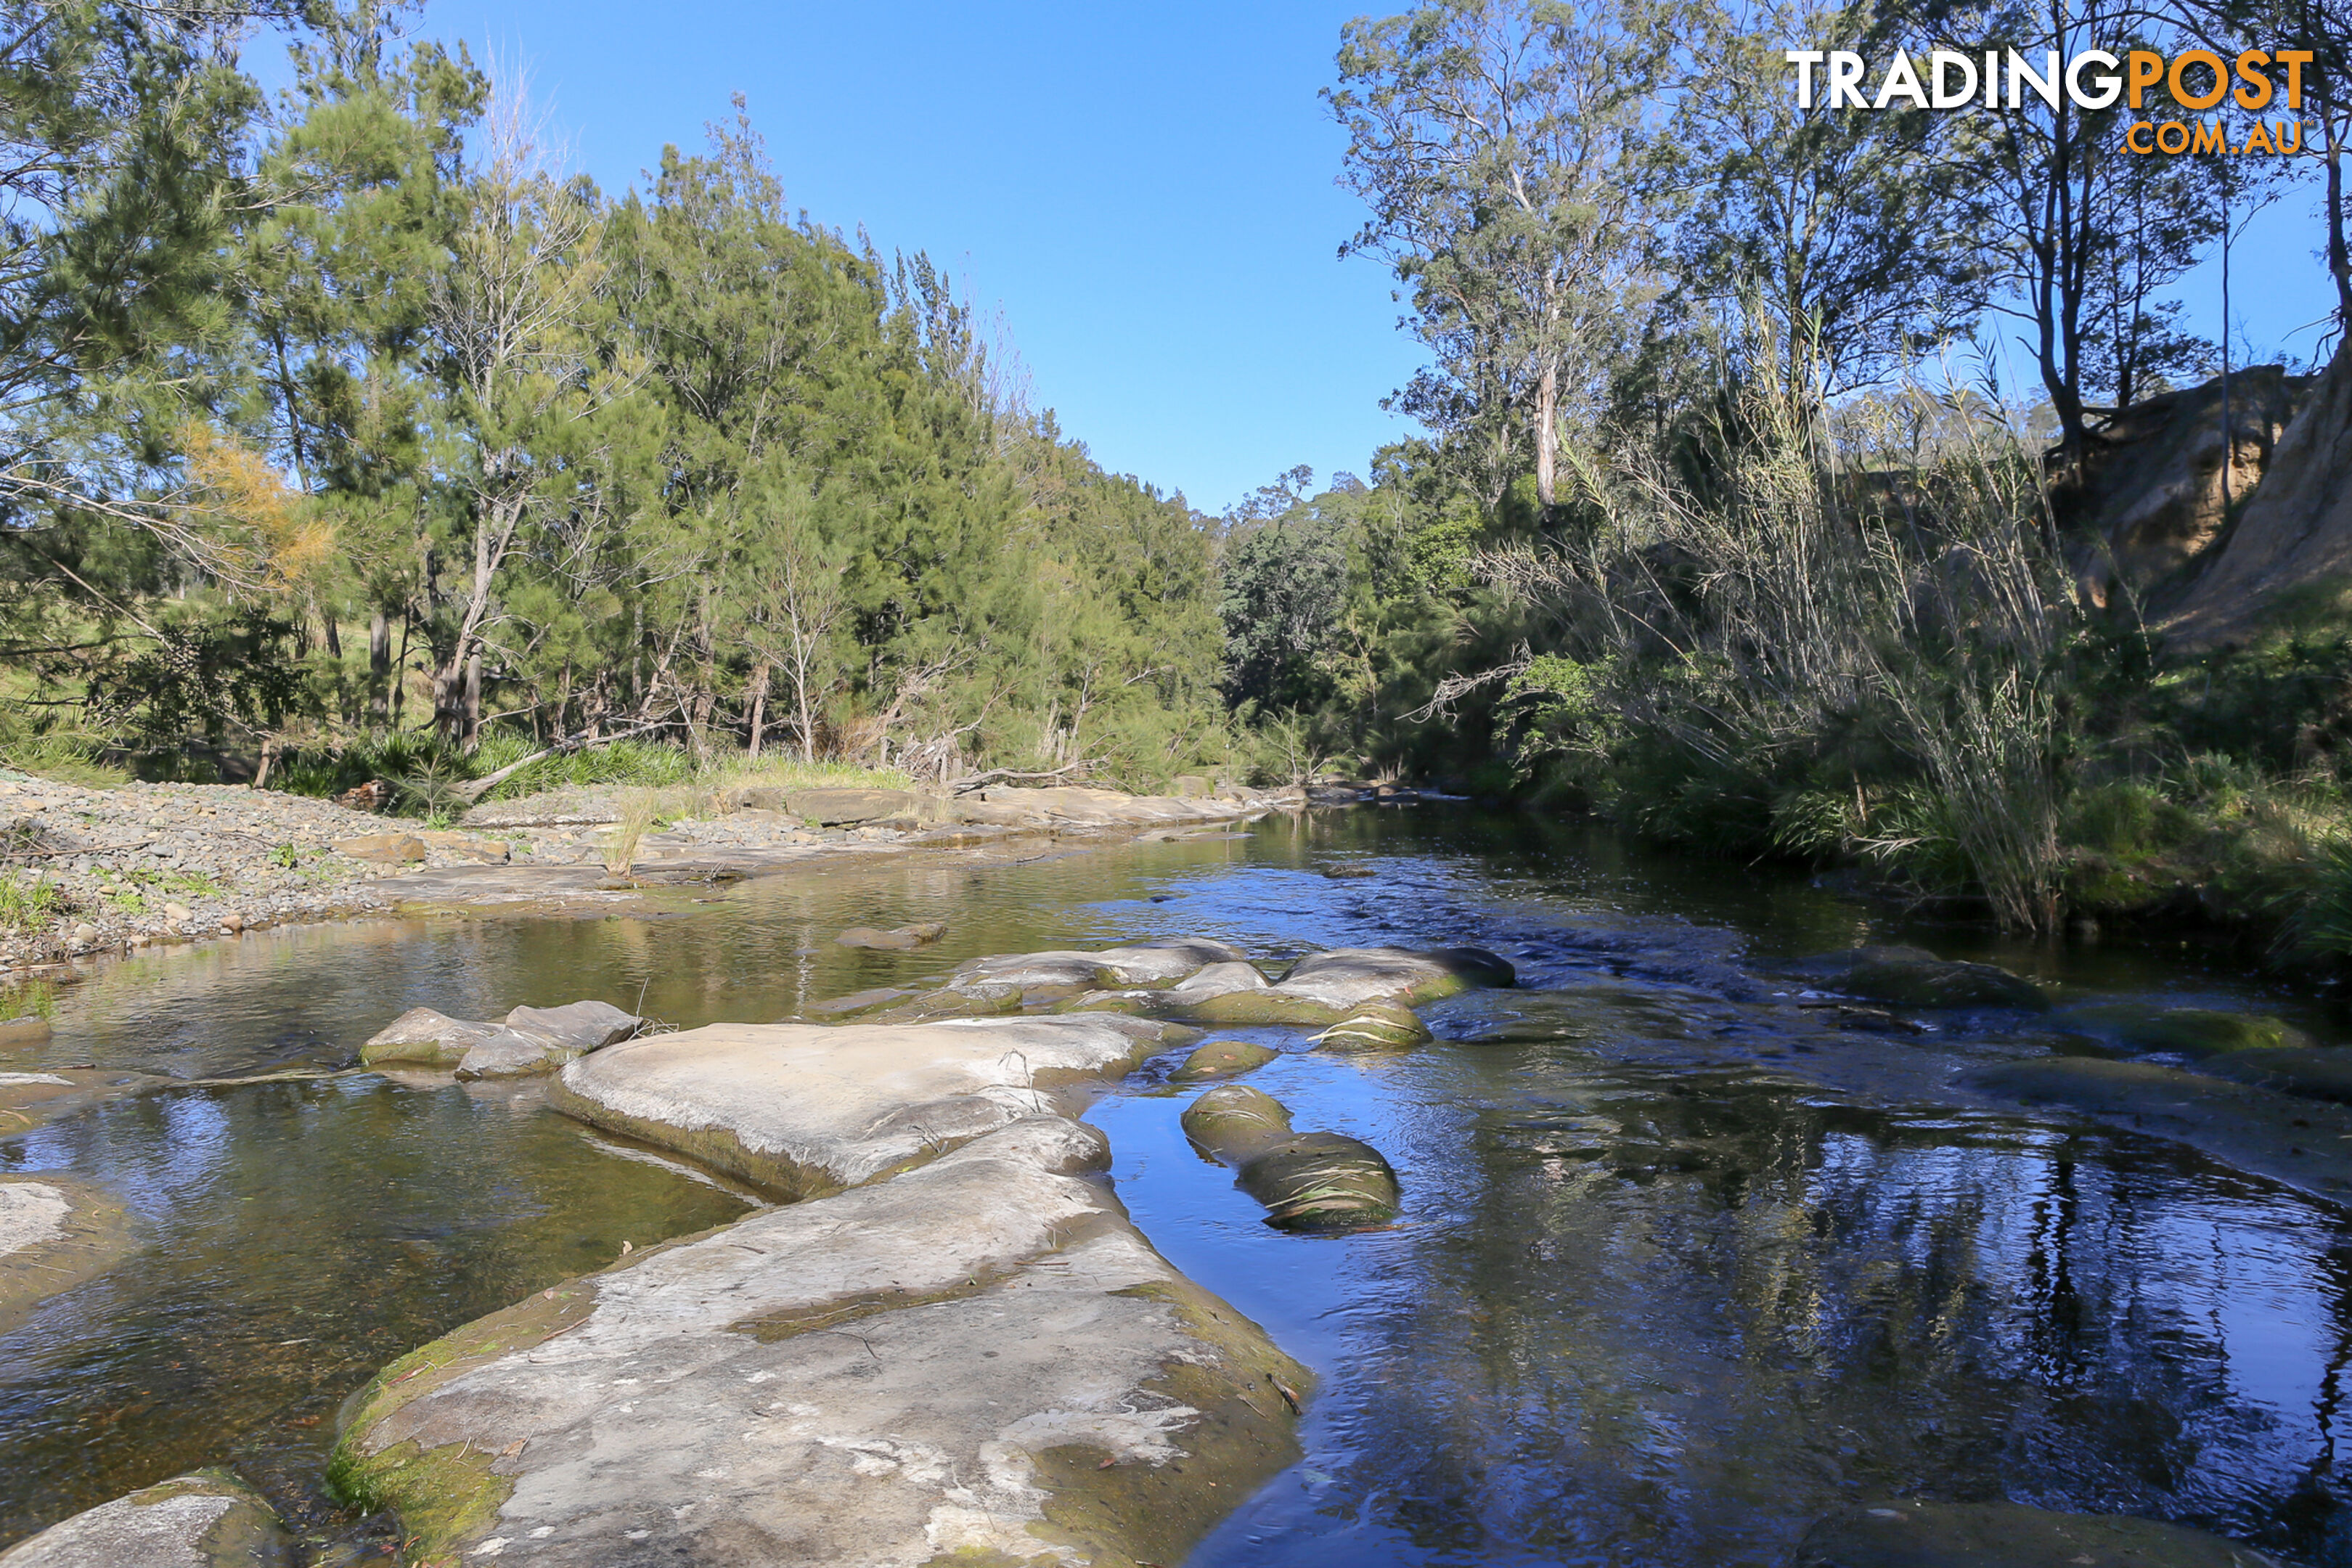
(759, 706)
(474, 698)
(2339, 264)
(1548, 438)
(399, 666)
(379, 665)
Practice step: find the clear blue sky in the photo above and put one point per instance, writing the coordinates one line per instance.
(1147, 191)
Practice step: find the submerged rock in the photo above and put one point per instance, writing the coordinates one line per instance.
(1908, 977)
(1907, 1533)
(922, 933)
(2179, 1031)
(2301, 1142)
(2312, 1072)
(29, 1099)
(857, 1002)
(1585, 1014)
(980, 1360)
(1375, 1026)
(808, 1109)
(1308, 1181)
(205, 1519)
(32, 1029)
(1222, 1058)
(54, 1232)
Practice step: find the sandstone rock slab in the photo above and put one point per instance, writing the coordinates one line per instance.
(977, 1361)
(206, 1519)
(808, 1109)
(576, 1027)
(508, 1053)
(383, 848)
(1151, 964)
(425, 1037)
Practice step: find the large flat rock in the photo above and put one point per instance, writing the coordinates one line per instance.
(980, 1361)
(207, 1520)
(803, 1109)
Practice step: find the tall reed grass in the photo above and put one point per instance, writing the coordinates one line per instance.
(1822, 588)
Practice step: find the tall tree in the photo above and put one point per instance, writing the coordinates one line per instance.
(1500, 146)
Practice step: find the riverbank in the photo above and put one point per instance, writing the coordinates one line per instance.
(93, 871)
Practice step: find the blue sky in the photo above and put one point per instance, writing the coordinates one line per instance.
(1147, 192)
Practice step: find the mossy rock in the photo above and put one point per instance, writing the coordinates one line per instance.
(1235, 1123)
(2196, 1032)
(1322, 1181)
(1222, 1058)
(1133, 1003)
(1936, 982)
(206, 1517)
(1375, 1026)
(984, 1001)
(1907, 1533)
(1269, 1007)
(424, 1038)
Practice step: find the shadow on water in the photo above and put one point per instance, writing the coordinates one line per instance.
(1676, 1277)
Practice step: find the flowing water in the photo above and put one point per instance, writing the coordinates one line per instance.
(1679, 1271)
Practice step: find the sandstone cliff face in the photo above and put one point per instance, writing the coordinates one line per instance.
(2295, 535)
(2149, 501)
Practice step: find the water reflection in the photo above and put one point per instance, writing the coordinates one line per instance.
(1679, 1272)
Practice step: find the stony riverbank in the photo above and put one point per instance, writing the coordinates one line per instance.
(87, 871)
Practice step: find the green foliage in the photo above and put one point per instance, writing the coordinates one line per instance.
(49, 747)
(29, 901)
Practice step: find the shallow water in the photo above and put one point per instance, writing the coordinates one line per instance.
(1678, 1273)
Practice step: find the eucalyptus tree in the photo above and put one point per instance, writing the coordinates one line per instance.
(1502, 146)
(1851, 233)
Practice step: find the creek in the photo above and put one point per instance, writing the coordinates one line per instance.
(1679, 1269)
